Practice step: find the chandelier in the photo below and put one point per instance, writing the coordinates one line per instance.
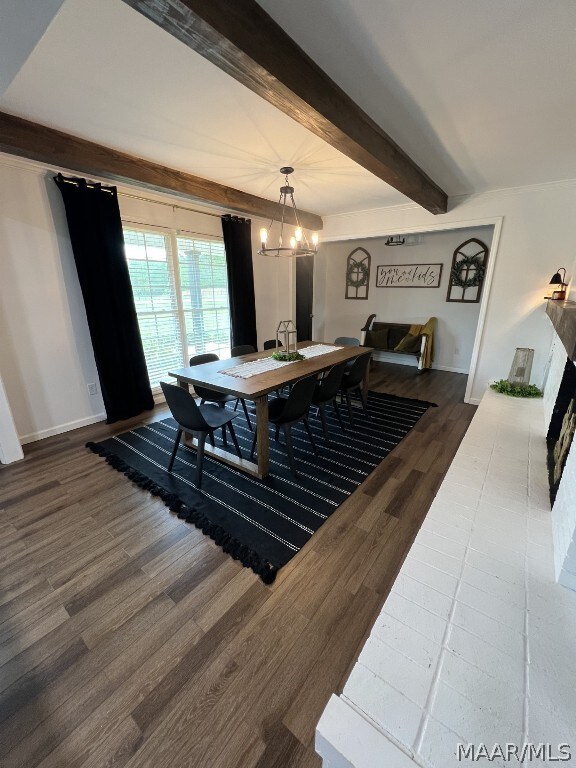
(296, 244)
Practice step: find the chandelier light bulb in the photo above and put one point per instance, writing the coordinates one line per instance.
(293, 243)
(263, 236)
(298, 234)
(315, 240)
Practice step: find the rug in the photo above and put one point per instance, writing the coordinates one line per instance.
(264, 523)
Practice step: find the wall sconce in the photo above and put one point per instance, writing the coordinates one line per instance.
(560, 281)
(395, 240)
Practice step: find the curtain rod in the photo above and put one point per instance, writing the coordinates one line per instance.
(170, 229)
(170, 205)
(147, 199)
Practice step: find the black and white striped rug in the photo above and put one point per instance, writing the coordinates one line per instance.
(264, 523)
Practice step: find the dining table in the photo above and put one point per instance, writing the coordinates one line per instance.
(247, 382)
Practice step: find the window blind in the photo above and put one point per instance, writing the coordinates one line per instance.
(150, 263)
(204, 291)
(180, 287)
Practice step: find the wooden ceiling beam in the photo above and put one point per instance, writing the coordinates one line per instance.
(47, 145)
(240, 38)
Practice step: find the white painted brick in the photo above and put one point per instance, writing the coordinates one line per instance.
(441, 544)
(419, 619)
(397, 670)
(498, 551)
(453, 517)
(423, 595)
(404, 639)
(426, 574)
(474, 723)
(450, 565)
(492, 631)
(447, 530)
(504, 612)
(439, 747)
(496, 568)
(487, 692)
(459, 494)
(544, 726)
(487, 657)
(503, 590)
(395, 713)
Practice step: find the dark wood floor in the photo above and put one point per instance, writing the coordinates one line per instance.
(127, 638)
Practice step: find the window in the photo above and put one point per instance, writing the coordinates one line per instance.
(181, 295)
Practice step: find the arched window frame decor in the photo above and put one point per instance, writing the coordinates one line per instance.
(468, 270)
(358, 275)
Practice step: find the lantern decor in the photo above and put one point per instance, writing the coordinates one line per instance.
(286, 338)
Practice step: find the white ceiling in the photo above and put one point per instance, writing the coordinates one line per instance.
(480, 94)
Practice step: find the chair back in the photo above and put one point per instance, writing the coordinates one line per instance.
(270, 344)
(299, 400)
(209, 357)
(356, 371)
(242, 349)
(183, 408)
(327, 389)
(347, 341)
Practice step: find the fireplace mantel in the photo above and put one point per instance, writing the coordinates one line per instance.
(563, 317)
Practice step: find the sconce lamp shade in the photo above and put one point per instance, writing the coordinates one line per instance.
(557, 279)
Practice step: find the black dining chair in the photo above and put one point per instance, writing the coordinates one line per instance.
(325, 393)
(270, 344)
(242, 349)
(352, 381)
(347, 341)
(208, 395)
(200, 420)
(286, 411)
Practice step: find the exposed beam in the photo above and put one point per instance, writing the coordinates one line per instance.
(239, 37)
(38, 142)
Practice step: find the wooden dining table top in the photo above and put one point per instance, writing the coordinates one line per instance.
(213, 375)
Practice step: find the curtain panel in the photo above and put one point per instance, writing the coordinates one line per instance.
(238, 245)
(95, 227)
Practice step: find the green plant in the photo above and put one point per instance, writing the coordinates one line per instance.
(516, 390)
(287, 357)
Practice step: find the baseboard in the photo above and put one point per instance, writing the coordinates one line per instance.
(58, 430)
(474, 400)
(398, 359)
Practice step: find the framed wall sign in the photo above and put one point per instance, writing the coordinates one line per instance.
(408, 275)
(358, 274)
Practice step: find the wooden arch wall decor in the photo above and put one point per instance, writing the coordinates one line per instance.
(358, 274)
(468, 270)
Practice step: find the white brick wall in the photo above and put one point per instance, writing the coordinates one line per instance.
(476, 640)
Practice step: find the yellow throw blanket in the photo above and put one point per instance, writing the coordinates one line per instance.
(426, 330)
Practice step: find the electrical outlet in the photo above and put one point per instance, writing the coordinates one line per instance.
(92, 389)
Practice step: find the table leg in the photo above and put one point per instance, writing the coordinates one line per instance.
(366, 380)
(262, 437)
(183, 384)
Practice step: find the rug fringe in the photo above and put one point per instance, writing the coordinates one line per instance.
(248, 557)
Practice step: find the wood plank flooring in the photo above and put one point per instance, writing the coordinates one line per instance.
(127, 638)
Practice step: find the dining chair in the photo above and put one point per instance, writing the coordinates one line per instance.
(200, 420)
(270, 344)
(286, 411)
(347, 341)
(242, 349)
(325, 393)
(208, 395)
(353, 379)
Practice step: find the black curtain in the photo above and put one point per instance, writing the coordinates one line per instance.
(98, 245)
(238, 245)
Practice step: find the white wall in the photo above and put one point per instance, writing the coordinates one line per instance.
(536, 238)
(46, 357)
(457, 322)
